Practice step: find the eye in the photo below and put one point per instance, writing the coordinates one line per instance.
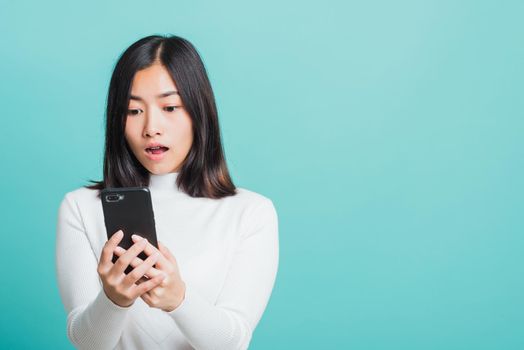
(133, 111)
(170, 108)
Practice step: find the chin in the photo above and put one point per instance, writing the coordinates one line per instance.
(157, 171)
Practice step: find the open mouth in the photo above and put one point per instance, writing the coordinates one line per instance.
(157, 150)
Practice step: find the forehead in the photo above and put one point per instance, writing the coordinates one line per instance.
(151, 81)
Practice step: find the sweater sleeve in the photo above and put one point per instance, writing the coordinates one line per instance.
(230, 322)
(93, 320)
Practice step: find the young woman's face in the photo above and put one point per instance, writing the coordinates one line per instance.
(156, 116)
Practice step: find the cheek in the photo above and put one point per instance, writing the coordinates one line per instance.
(187, 132)
(186, 141)
(183, 133)
(130, 132)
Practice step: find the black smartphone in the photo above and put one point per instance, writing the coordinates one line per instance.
(129, 209)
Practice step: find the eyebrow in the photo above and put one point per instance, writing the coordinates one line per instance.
(164, 94)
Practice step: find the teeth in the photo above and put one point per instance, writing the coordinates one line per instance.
(158, 147)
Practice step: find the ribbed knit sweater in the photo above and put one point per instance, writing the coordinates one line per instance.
(227, 252)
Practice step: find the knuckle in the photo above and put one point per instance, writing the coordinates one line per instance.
(150, 285)
(123, 292)
(134, 294)
(112, 283)
(112, 286)
(135, 275)
(141, 290)
(106, 249)
(121, 263)
(144, 287)
(149, 262)
(131, 253)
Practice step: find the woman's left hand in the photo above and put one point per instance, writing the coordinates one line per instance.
(171, 292)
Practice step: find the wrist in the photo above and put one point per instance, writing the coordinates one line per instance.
(179, 300)
(116, 303)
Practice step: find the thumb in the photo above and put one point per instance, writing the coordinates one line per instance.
(163, 249)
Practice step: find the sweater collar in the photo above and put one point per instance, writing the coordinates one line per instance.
(163, 182)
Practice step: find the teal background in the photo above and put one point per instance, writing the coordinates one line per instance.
(388, 134)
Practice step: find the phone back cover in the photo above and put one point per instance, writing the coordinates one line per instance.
(131, 213)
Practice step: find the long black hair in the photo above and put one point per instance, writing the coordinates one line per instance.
(204, 171)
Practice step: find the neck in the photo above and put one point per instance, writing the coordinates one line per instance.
(163, 182)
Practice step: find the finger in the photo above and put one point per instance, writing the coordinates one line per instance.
(167, 253)
(147, 286)
(152, 272)
(147, 298)
(141, 269)
(150, 250)
(142, 280)
(123, 261)
(109, 247)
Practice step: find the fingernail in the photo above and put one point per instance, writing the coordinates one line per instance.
(136, 237)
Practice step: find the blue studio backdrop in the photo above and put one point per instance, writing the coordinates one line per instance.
(389, 135)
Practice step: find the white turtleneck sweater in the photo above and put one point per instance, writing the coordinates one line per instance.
(227, 251)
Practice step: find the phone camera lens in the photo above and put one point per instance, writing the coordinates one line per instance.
(112, 197)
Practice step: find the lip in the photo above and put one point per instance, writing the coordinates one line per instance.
(152, 156)
(155, 144)
(155, 157)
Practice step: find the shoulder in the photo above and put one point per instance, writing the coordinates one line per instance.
(256, 209)
(78, 199)
(250, 200)
(81, 195)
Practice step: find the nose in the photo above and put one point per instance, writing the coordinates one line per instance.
(152, 125)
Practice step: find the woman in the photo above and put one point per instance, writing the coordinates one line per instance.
(208, 283)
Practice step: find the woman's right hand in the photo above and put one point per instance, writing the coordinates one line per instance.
(118, 286)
